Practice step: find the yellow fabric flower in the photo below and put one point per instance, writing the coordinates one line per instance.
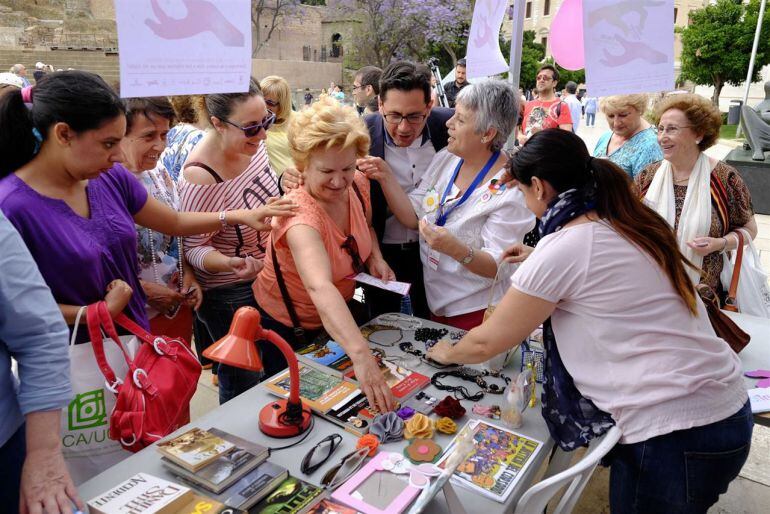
(419, 426)
(446, 426)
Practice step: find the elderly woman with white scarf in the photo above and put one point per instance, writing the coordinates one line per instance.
(703, 199)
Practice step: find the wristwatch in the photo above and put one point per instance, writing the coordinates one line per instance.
(468, 258)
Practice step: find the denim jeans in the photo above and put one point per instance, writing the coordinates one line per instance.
(590, 119)
(216, 312)
(272, 358)
(11, 461)
(681, 472)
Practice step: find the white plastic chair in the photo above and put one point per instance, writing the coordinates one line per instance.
(537, 497)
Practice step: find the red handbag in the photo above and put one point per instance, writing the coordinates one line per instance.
(153, 399)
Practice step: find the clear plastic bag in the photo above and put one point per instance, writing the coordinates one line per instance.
(517, 397)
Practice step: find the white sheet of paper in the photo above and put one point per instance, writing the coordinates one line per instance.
(401, 288)
(629, 46)
(760, 399)
(483, 56)
(182, 47)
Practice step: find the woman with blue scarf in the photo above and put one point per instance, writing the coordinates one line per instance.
(628, 343)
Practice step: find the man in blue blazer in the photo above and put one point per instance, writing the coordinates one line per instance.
(406, 133)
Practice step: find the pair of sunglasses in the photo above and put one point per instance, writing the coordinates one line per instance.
(253, 130)
(320, 453)
(351, 246)
(340, 473)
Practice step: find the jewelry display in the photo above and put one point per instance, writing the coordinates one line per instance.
(409, 348)
(398, 320)
(369, 441)
(382, 335)
(419, 426)
(446, 426)
(387, 427)
(422, 450)
(456, 335)
(535, 357)
(426, 334)
(450, 408)
(471, 375)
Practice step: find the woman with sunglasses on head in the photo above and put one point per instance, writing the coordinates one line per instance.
(278, 99)
(75, 206)
(305, 285)
(609, 284)
(228, 169)
(704, 200)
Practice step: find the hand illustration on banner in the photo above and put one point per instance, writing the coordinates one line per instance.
(616, 15)
(629, 46)
(632, 50)
(484, 33)
(202, 16)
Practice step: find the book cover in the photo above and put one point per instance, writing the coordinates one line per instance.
(329, 354)
(352, 413)
(293, 496)
(200, 504)
(226, 469)
(195, 448)
(319, 389)
(141, 494)
(497, 461)
(253, 486)
(330, 506)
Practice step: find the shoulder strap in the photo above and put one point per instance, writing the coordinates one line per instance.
(360, 196)
(719, 199)
(299, 332)
(558, 110)
(730, 302)
(206, 167)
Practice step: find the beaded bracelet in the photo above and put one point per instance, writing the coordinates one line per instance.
(470, 375)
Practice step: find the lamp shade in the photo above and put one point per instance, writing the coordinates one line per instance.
(237, 348)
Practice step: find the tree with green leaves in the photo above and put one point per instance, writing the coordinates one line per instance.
(716, 45)
(565, 75)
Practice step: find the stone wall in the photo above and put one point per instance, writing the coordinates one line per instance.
(300, 74)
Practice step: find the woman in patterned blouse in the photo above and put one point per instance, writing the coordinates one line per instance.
(703, 199)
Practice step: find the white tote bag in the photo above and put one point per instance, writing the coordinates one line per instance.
(753, 294)
(85, 421)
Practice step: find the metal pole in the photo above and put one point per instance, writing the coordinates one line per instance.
(750, 74)
(514, 73)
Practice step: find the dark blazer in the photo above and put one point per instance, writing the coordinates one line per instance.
(436, 125)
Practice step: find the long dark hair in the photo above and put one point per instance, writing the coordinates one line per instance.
(80, 99)
(561, 158)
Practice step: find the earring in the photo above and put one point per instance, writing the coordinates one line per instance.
(483, 140)
(697, 142)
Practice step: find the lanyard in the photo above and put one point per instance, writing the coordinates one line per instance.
(442, 215)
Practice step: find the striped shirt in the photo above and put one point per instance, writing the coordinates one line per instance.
(249, 190)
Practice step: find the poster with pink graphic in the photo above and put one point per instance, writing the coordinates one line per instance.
(483, 55)
(629, 46)
(182, 47)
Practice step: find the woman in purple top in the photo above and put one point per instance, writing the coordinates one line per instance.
(73, 203)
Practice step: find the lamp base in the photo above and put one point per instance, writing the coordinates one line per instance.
(271, 423)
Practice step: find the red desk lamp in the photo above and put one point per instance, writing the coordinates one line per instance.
(281, 418)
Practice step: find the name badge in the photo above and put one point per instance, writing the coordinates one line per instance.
(433, 258)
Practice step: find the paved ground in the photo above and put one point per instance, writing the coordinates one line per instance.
(749, 494)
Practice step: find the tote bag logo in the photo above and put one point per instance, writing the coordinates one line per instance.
(87, 410)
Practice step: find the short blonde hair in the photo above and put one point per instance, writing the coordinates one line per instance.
(277, 87)
(326, 124)
(618, 102)
(704, 117)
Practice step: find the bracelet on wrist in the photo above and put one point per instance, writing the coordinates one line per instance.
(724, 247)
(223, 218)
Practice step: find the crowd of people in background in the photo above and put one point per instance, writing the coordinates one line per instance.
(178, 211)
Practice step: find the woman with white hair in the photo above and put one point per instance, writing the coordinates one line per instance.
(466, 217)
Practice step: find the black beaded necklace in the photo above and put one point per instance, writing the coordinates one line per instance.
(471, 375)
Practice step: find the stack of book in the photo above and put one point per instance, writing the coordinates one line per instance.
(233, 470)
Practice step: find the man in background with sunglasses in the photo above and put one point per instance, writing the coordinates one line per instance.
(547, 110)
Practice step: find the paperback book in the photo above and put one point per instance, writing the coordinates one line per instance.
(141, 494)
(293, 496)
(498, 460)
(194, 449)
(221, 473)
(319, 389)
(200, 504)
(327, 505)
(252, 487)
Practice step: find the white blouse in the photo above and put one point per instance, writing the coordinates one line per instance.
(489, 221)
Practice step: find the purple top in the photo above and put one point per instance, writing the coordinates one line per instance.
(77, 256)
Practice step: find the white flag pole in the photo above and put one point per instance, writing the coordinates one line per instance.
(517, 40)
(750, 74)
